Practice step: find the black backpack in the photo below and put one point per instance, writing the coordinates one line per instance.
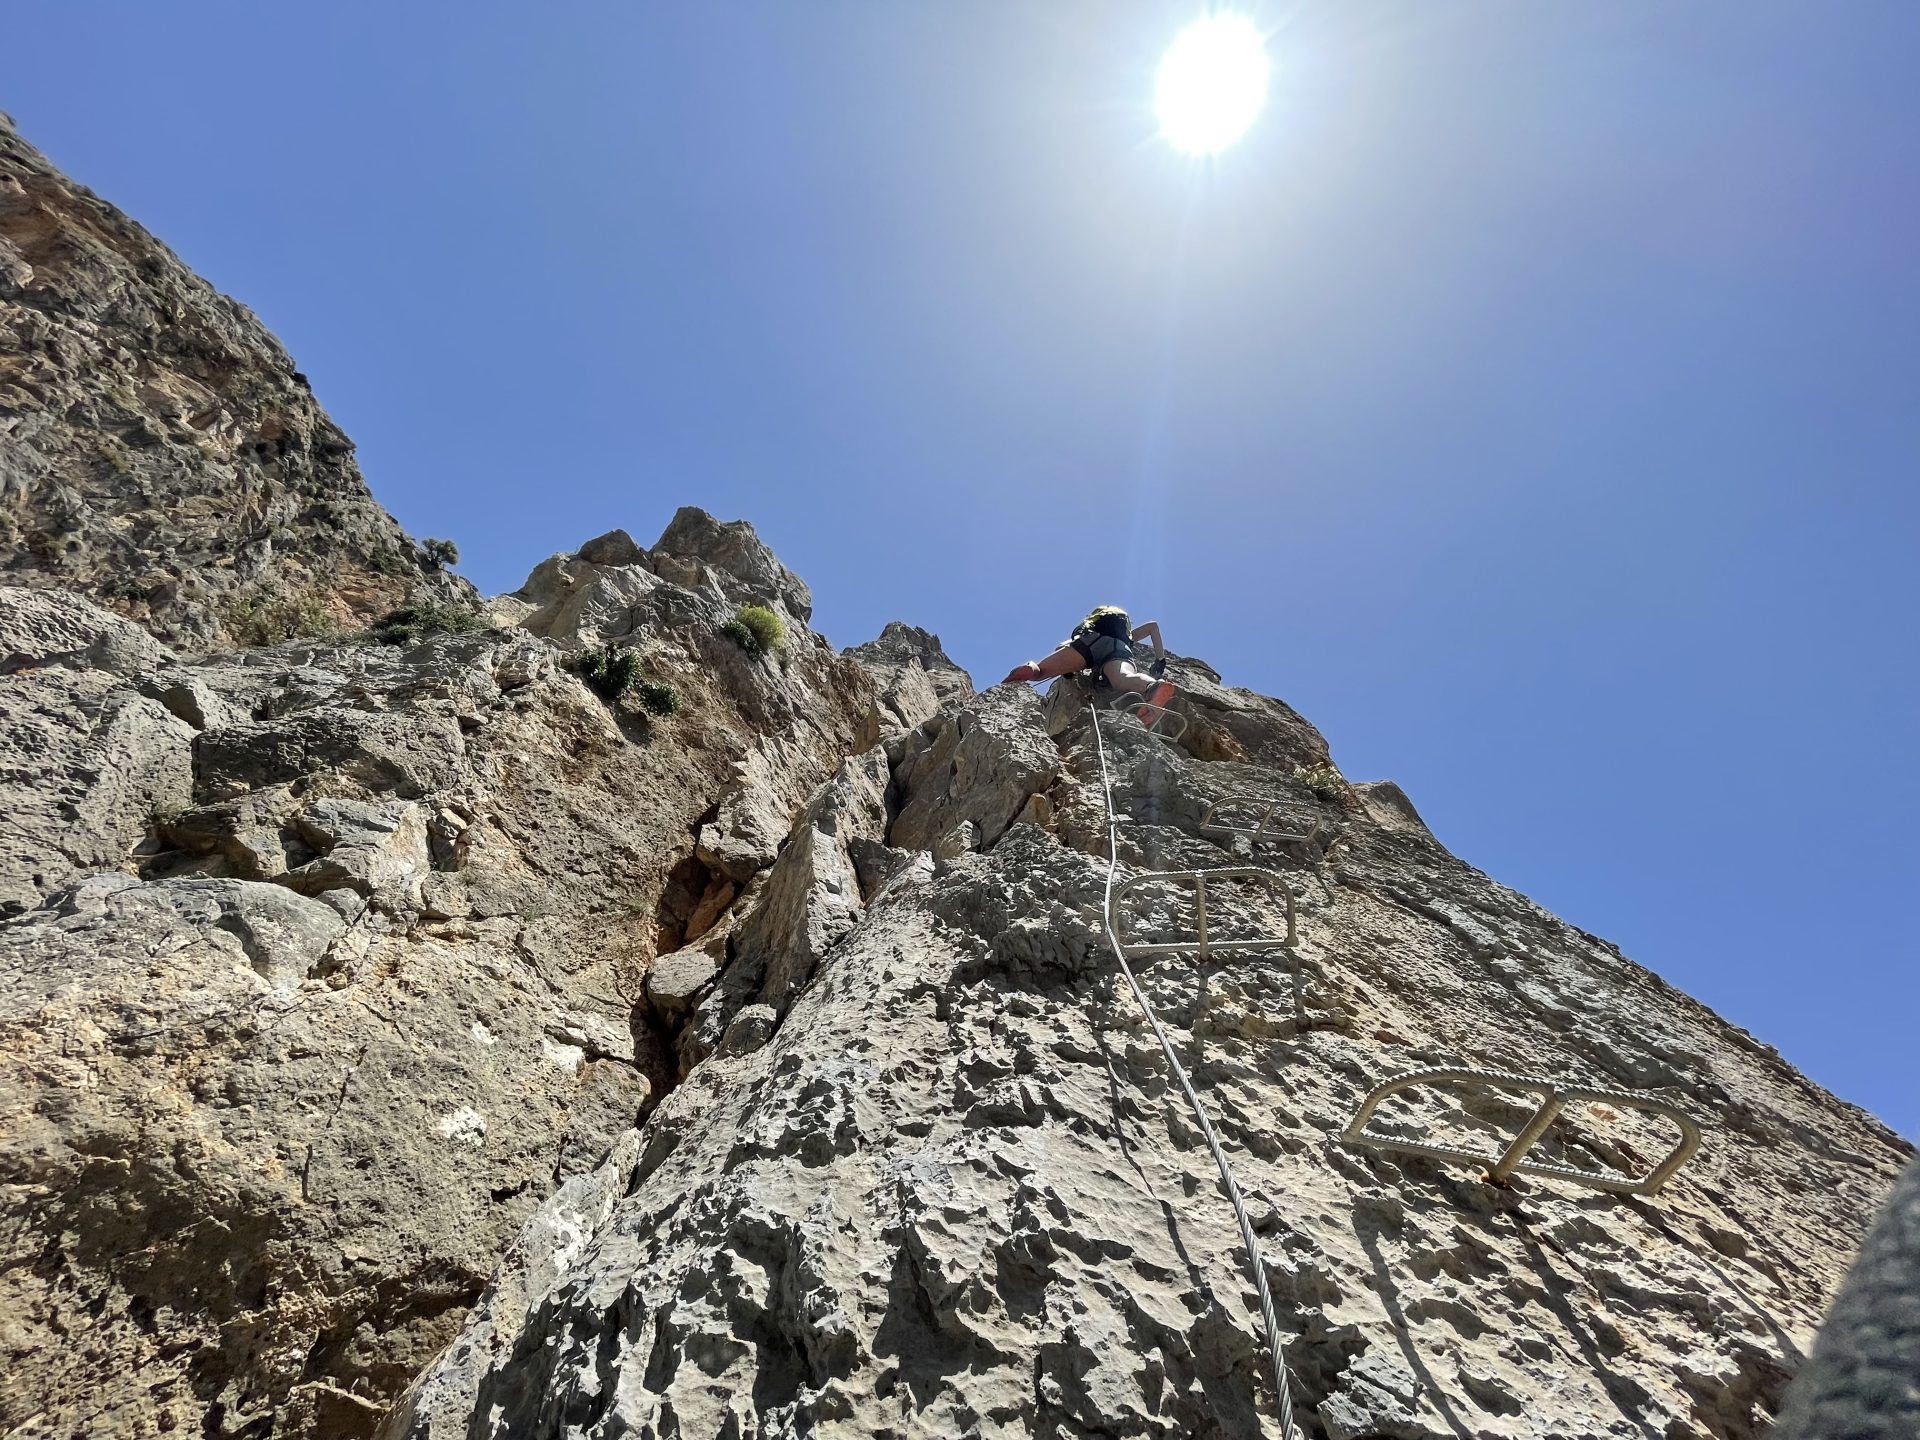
(1101, 638)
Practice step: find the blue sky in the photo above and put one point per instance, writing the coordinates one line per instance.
(1531, 398)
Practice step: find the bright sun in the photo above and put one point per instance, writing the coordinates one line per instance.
(1212, 83)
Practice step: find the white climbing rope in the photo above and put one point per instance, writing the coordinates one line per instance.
(1276, 1348)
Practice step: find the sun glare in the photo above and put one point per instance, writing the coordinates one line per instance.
(1212, 83)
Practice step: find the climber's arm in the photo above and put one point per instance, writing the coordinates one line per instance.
(1150, 631)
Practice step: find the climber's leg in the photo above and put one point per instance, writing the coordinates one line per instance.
(1064, 661)
(1122, 676)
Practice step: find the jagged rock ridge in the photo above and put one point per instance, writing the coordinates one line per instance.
(159, 452)
(407, 1039)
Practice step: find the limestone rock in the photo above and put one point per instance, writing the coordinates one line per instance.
(957, 1181)
(751, 1028)
(283, 937)
(1864, 1378)
(812, 898)
(158, 449)
(978, 764)
(616, 547)
(1387, 804)
(594, 605)
(408, 755)
(331, 963)
(85, 767)
(913, 675)
(532, 1265)
(55, 627)
(1228, 723)
(373, 848)
(248, 832)
(736, 558)
(675, 981)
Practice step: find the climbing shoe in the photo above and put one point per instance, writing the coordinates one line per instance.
(1158, 696)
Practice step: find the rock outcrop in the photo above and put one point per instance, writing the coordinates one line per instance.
(331, 964)
(159, 452)
(583, 1025)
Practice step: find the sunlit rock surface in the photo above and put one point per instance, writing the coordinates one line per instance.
(158, 449)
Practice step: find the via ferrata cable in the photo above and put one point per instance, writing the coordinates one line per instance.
(1276, 1348)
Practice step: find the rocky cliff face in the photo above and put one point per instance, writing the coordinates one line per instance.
(158, 450)
(408, 1039)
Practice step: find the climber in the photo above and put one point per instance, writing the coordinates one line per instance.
(1103, 643)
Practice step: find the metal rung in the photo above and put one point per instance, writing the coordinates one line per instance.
(1261, 828)
(1204, 946)
(1163, 722)
(1126, 705)
(1553, 1099)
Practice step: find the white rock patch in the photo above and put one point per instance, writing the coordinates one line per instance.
(465, 1125)
(567, 1057)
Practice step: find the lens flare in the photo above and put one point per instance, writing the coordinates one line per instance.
(1212, 83)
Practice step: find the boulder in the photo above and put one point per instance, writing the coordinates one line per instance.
(978, 764)
(87, 769)
(56, 627)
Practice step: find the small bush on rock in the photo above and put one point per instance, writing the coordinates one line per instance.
(263, 617)
(441, 553)
(657, 697)
(610, 671)
(767, 626)
(411, 624)
(756, 630)
(1325, 781)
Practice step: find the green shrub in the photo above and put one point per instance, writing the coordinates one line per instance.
(1325, 781)
(756, 630)
(767, 626)
(265, 617)
(610, 670)
(411, 624)
(657, 697)
(441, 553)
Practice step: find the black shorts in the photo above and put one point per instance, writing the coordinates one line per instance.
(1097, 650)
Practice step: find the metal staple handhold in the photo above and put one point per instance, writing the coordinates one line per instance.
(1261, 829)
(1512, 1161)
(1204, 946)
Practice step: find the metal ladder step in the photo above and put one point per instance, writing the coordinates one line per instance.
(1512, 1161)
(1266, 807)
(1204, 945)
